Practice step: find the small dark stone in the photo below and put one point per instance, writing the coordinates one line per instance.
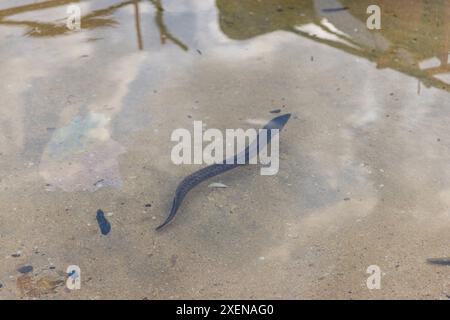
(346, 199)
(52, 267)
(1, 285)
(148, 205)
(276, 111)
(199, 52)
(103, 223)
(15, 255)
(438, 140)
(25, 269)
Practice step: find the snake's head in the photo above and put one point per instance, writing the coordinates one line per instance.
(278, 122)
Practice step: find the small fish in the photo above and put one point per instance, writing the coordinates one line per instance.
(335, 9)
(104, 225)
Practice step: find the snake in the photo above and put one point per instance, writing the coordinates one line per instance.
(194, 179)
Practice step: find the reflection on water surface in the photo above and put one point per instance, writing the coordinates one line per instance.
(85, 125)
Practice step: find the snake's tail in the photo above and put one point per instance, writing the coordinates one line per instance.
(170, 217)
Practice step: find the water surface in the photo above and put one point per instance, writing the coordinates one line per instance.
(85, 124)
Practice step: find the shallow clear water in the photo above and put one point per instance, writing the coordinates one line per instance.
(85, 124)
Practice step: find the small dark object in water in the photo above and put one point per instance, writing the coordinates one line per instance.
(98, 182)
(71, 273)
(213, 170)
(439, 261)
(276, 111)
(105, 226)
(25, 269)
(334, 9)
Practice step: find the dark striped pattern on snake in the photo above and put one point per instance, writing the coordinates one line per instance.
(213, 170)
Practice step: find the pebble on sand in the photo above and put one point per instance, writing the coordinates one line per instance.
(103, 223)
(25, 269)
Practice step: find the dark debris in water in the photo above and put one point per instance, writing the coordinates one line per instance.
(439, 261)
(25, 269)
(103, 223)
(334, 9)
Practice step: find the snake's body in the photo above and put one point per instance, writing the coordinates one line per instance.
(213, 170)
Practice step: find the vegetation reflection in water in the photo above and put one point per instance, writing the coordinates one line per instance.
(412, 32)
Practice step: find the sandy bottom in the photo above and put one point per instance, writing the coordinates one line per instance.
(85, 124)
